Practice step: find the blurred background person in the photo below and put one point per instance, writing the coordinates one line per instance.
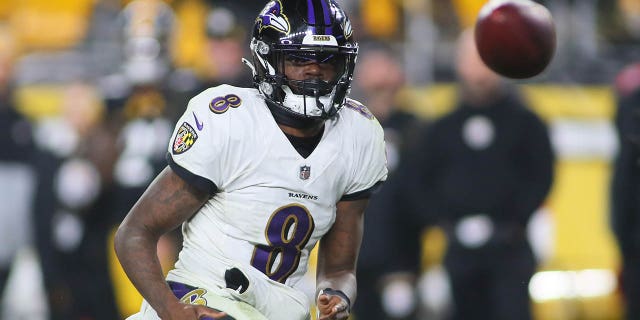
(244, 11)
(17, 175)
(225, 48)
(378, 81)
(625, 186)
(99, 155)
(224, 44)
(481, 172)
(74, 206)
(145, 114)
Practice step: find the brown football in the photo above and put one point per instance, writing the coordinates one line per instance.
(515, 38)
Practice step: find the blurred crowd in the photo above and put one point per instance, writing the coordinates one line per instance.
(90, 90)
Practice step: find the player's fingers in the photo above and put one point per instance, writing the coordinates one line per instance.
(325, 305)
(341, 310)
(325, 311)
(333, 314)
(341, 306)
(324, 299)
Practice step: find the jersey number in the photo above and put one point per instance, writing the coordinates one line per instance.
(287, 233)
(222, 104)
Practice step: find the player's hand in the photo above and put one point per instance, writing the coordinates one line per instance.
(332, 307)
(183, 311)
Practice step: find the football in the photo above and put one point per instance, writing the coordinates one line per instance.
(515, 38)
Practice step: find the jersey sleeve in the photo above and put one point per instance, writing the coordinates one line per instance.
(200, 138)
(369, 165)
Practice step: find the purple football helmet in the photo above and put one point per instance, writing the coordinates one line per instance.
(302, 30)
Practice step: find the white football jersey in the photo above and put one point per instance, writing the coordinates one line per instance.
(271, 205)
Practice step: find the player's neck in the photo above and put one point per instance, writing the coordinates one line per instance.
(302, 132)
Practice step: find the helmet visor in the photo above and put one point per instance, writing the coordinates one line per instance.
(331, 67)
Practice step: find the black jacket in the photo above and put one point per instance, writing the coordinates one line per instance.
(625, 186)
(495, 160)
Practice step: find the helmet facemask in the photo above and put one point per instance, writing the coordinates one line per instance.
(310, 98)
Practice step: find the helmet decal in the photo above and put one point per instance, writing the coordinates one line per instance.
(273, 17)
(323, 16)
(348, 30)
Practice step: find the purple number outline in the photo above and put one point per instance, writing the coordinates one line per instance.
(283, 241)
(221, 104)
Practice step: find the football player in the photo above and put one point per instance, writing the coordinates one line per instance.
(257, 177)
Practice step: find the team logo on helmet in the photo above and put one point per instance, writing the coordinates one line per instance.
(305, 172)
(185, 138)
(273, 17)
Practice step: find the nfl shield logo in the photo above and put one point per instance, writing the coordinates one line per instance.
(305, 172)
